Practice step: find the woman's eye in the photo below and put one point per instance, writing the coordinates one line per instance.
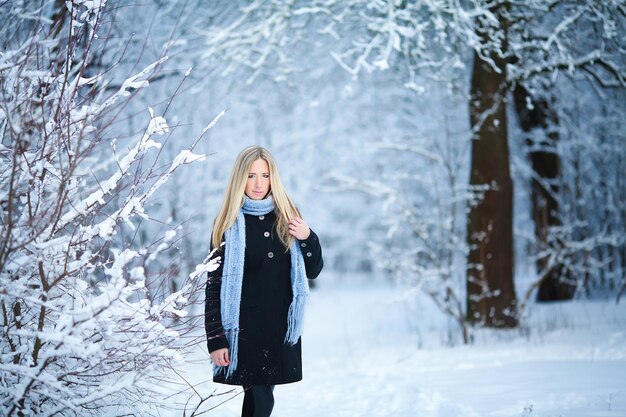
(250, 176)
(266, 175)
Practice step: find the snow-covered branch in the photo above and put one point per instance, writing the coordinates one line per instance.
(80, 336)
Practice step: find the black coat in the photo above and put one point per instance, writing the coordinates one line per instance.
(264, 358)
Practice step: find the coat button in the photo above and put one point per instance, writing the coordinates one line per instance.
(309, 254)
(270, 254)
(266, 234)
(303, 244)
(261, 217)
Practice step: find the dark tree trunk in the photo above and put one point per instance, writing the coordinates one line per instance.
(556, 283)
(491, 297)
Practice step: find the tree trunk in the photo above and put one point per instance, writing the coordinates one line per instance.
(557, 284)
(491, 297)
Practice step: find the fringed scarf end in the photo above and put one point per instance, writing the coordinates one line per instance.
(295, 318)
(233, 342)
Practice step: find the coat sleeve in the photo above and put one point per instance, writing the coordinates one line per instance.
(312, 253)
(212, 307)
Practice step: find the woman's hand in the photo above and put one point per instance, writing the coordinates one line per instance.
(220, 357)
(299, 229)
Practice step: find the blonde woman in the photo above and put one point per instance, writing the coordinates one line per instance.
(255, 300)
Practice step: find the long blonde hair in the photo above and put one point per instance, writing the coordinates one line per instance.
(233, 197)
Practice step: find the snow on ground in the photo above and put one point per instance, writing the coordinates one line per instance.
(370, 351)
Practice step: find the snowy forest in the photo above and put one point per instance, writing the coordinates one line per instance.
(463, 163)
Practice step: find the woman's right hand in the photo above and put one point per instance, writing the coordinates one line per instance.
(220, 357)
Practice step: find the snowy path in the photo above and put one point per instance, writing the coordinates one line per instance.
(361, 359)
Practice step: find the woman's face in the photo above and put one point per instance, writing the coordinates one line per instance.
(258, 183)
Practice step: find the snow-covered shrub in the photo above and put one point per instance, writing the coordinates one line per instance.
(79, 335)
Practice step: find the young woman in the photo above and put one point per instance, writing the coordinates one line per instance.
(255, 300)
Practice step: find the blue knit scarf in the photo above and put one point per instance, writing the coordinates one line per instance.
(232, 280)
